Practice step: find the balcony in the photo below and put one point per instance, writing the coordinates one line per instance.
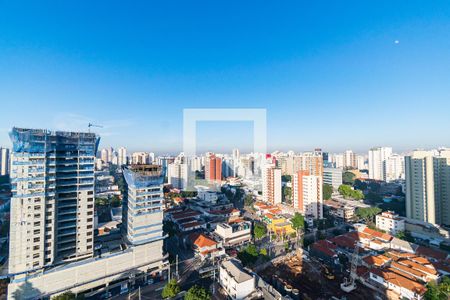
(66, 218)
(67, 211)
(66, 232)
(70, 224)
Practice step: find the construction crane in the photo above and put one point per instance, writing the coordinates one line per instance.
(93, 125)
(349, 283)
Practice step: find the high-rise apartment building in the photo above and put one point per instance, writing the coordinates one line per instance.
(271, 184)
(236, 154)
(309, 161)
(333, 177)
(292, 163)
(213, 168)
(228, 169)
(140, 158)
(350, 159)
(395, 167)
(104, 155)
(428, 186)
(307, 194)
(297, 189)
(361, 162)
(52, 207)
(151, 159)
(143, 206)
(122, 156)
(4, 161)
(177, 175)
(52, 226)
(338, 160)
(110, 154)
(377, 162)
(312, 196)
(195, 163)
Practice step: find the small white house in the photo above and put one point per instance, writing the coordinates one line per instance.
(237, 283)
(234, 234)
(390, 222)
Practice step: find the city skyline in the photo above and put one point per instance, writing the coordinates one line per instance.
(330, 76)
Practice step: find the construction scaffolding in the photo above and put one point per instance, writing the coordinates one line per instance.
(43, 141)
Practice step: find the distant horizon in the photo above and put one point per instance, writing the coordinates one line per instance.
(201, 151)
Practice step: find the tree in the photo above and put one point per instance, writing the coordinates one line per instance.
(406, 236)
(259, 230)
(327, 191)
(367, 213)
(67, 296)
(199, 175)
(171, 289)
(248, 200)
(373, 198)
(115, 201)
(347, 192)
(188, 194)
(169, 228)
(100, 202)
(360, 185)
(249, 255)
(287, 192)
(286, 178)
(298, 222)
(197, 293)
(348, 178)
(438, 291)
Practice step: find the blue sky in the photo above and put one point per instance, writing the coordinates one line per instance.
(329, 73)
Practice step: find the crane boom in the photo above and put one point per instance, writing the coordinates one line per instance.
(93, 125)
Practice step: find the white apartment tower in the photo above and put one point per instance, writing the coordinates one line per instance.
(140, 158)
(122, 156)
(377, 160)
(350, 159)
(4, 161)
(143, 206)
(312, 196)
(177, 175)
(307, 194)
(104, 155)
(110, 152)
(428, 186)
(337, 160)
(52, 207)
(395, 167)
(271, 184)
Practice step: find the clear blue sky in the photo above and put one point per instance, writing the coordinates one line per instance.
(329, 73)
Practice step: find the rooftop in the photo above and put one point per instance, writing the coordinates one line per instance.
(235, 270)
(379, 235)
(200, 240)
(146, 169)
(400, 281)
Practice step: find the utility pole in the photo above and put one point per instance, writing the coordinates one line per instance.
(176, 267)
(214, 278)
(168, 276)
(139, 292)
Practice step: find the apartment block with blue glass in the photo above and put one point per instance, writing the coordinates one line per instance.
(52, 207)
(142, 205)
